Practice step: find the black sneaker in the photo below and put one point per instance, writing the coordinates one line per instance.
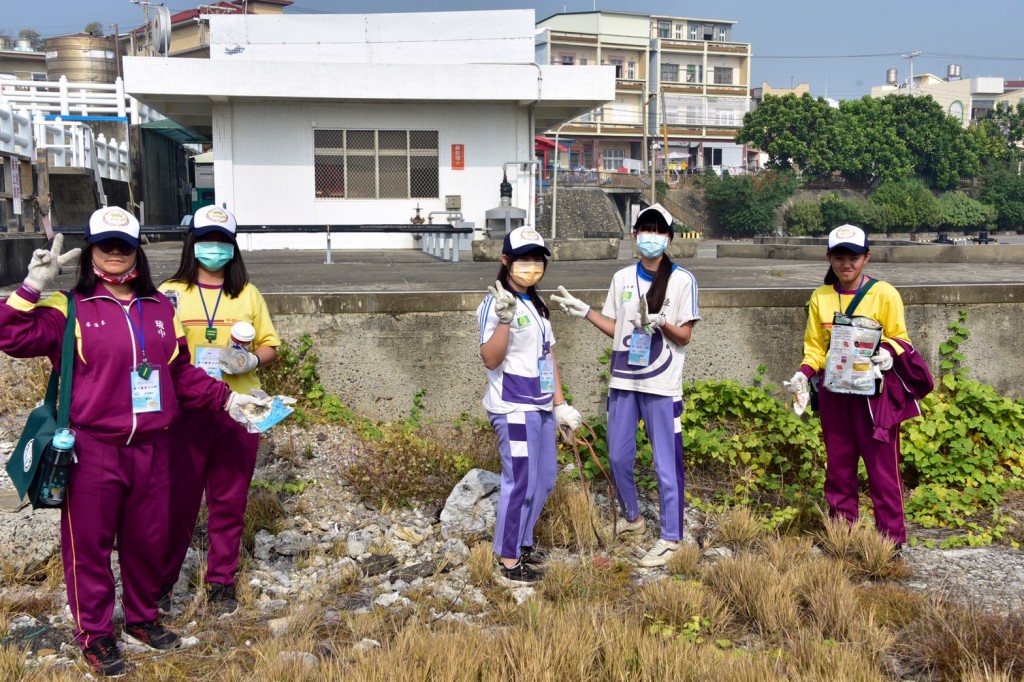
(533, 556)
(152, 635)
(220, 600)
(104, 658)
(163, 604)
(520, 574)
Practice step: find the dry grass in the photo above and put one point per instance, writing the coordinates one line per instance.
(686, 561)
(758, 595)
(24, 383)
(569, 519)
(481, 564)
(784, 552)
(737, 528)
(891, 605)
(674, 603)
(827, 599)
(592, 579)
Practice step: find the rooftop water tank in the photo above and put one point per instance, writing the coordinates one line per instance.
(82, 58)
(891, 77)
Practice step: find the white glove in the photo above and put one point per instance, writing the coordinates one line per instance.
(45, 265)
(882, 359)
(237, 361)
(653, 321)
(239, 400)
(504, 302)
(801, 391)
(570, 304)
(567, 415)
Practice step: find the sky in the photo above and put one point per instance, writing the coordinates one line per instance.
(840, 48)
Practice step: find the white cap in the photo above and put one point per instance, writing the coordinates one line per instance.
(523, 240)
(112, 222)
(848, 237)
(654, 212)
(214, 219)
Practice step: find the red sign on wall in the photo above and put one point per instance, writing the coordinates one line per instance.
(458, 157)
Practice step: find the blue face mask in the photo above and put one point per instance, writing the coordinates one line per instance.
(214, 255)
(651, 244)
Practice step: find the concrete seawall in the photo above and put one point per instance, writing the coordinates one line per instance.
(920, 253)
(377, 350)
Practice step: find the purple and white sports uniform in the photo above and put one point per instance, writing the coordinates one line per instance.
(523, 419)
(653, 393)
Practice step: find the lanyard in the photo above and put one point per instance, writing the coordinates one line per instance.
(211, 331)
(839, 292)
(536, 319)
(144, 369)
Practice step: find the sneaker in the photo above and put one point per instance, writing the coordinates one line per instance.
(152, 635)
(533, 556)
(163, 604)
(520, 574)
(104, 658)
(659, 554)
(220, 600)
(622, 526)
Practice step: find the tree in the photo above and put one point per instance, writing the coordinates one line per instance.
(912, 205)
(940, 149)
(795, 132)
(1006, 124)
(93, 28)
(960, 212)
(1004, 190)
(745, 205)
(30, 35)
(868, 147)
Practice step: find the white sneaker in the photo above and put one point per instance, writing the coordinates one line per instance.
(659, 554)
(622, 526)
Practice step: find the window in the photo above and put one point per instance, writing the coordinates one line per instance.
(376, 164)
(664, 28)
(567, 58)
(712, 157)
(694, 73)
(617, 63)
(631, 71)
(694, 32)
(583, 61)
(612, 159)
(723, 75)
(708, 32)
(669, 73)
(679, 32)
(39, 75)
(720, 34)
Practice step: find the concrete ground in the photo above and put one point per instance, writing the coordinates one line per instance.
(290, 271)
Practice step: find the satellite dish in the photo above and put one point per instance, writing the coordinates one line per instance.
(160, 29)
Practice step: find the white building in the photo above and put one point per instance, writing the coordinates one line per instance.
(358, 119)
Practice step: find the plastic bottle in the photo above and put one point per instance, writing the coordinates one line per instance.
(56, 465)
(242, 335)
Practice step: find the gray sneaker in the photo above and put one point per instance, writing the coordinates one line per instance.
(220, 600)
(622, 526)
(659, 554)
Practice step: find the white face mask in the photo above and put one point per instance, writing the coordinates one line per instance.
(526, 273)
(650, 244)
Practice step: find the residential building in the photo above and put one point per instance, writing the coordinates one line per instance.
(22, 63)
(678, 79)
(189, 30)
(362, 120)
(965, 99)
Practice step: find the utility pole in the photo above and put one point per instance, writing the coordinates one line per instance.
(910, 57)
(117, 48)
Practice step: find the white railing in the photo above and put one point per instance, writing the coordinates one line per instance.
(65, 98)
(70, 144)
(15, 130)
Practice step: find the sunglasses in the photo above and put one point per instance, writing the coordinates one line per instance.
(119, 245)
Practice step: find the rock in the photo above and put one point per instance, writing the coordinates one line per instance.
(33, 536)
(307, 660)
(409, 534)
(389, 599)
(264, 543)
(424, 569)
(278, 627)
(716, 553)
(472, 506)
(377, 564)
(455, 551)
(292, 543)
(358, 543)
(365, 646)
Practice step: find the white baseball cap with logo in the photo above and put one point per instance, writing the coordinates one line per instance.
(523, 240)
(210, 219)
(656, 213)
(849, 237)
(112, 222)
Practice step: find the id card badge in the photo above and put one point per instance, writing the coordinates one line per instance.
(146, 392)
(546, 365)
(640, 349)
(208, 359)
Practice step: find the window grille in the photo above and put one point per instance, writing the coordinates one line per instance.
(376, 164)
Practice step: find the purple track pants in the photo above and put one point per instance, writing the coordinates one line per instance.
(847, 427)
(661, 415)
(212, 453)
(114, 491)
(526, 441)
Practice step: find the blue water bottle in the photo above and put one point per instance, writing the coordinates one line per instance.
(56, 466)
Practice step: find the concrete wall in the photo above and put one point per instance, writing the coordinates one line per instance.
(377, 350)
(580, 209)
(919, 253)
(16, 252)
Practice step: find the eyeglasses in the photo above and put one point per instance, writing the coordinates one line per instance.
(119, 245)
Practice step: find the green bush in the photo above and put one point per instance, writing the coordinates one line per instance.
(912, 205)
(745, 205)
(1004, 190)
(960, 212)
(836, 211)
(803, 219)
(878, 218)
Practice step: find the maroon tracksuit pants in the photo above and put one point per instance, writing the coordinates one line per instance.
(114, 491)
(847, 427)
(211, 453)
